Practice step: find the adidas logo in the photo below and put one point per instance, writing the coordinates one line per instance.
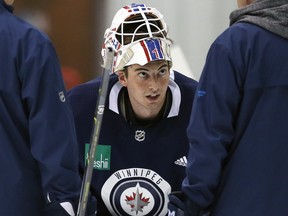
(181, 161)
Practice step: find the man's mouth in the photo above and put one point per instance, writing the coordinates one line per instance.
(153, 96)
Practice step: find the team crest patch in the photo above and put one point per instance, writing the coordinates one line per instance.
(136, 192)
(102, 156)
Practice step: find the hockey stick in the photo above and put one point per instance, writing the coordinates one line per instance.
(98, 116)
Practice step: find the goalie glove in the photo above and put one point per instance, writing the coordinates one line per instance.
(180, 205)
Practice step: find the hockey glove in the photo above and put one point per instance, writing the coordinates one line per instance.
(69, 208)
(176, 205)
(180, 205)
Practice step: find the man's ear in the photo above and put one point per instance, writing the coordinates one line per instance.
(122, 78)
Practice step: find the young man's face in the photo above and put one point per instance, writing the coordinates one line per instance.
(147, 86)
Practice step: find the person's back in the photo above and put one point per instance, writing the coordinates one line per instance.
(241, 111)
(256, 172)
(38, 144)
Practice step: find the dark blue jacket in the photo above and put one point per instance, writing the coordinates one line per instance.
(238, 132)
(37, 136)
(136, 167)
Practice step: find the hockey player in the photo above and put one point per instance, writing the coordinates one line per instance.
(39, 174)
(142, 148)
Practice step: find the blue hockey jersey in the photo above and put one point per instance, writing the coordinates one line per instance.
(37, 134)
(238, 133)
(136, 167)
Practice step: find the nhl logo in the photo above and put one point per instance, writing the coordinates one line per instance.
(140, 135)
(62, 96)
(100, 109)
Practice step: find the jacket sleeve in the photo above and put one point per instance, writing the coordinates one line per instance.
(212, 123)
(51, 125)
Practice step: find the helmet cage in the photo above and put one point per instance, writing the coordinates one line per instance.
(146, 26)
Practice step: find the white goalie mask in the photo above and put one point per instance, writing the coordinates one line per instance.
(130, 27)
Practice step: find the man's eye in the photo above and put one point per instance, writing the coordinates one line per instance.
(142, 74)
(163, 72)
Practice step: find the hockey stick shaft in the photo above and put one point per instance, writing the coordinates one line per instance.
(98, 116)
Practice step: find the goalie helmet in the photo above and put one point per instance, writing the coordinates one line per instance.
(131, 28)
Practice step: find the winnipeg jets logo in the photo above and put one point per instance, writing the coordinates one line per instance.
(140, 135)
(136, 192)
(137, 201)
